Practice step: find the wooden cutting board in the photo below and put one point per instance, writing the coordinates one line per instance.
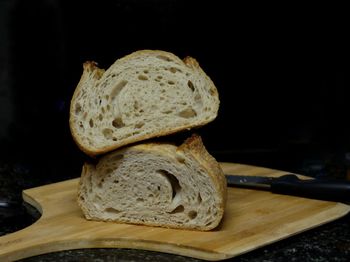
(252, 219)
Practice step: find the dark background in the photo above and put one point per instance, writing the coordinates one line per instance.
(281, 72)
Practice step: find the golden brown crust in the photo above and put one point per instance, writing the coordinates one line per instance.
(89, 67)
(191, 62)
(196, 148)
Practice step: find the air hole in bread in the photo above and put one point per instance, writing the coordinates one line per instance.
(79, 93)
(115, 181)
(198, 98)
(139, 199)
(77, 108)
(171, 82)
(116, 90)
(145, 71)
(91, 123)
(190, 85)
(188, 113)
(208, 224)
(199, 198)
(139, 125)
(161, 84)
(142, 77)
(136, 105)
(178, 209)
(97, 198)
(107, 133)
(180, 159)
(118, 122)
(100, 117)
(165, 58)
(212, 91)
(174, 182)
(173, 70)
(192, 214)
(108, 107)
(85, 116)
(112, 210)
(159, 77)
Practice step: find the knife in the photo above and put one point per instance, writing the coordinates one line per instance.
(290, 184)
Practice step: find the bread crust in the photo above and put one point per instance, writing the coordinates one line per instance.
(194, 146)
(91, 69)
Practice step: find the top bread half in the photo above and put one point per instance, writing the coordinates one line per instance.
(143, 95)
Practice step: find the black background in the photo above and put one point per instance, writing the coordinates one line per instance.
(281, 72)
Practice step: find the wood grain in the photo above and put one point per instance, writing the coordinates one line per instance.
(252, 219)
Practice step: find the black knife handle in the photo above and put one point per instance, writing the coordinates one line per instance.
(323, 189)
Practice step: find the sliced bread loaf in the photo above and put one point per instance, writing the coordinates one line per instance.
(155, 184)
(143, 95)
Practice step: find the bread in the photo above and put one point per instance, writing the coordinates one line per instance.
(143, 95)
(155, 184)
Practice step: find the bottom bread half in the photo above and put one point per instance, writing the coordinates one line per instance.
(155, 184)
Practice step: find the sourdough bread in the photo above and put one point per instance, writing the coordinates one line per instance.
(155, 184)
(143, 95)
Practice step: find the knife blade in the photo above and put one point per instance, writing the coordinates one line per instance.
(289, 184)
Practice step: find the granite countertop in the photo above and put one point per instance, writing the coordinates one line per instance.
(330, 242)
